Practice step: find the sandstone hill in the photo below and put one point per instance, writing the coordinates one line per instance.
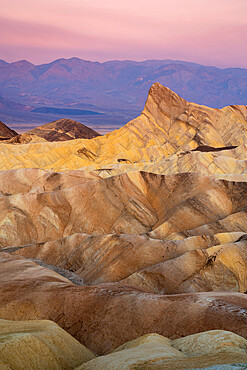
(25, 138)
(155, 224)
(141, 232)
(60, 130)
(43, 345)
(103, 317)
(39, 345)
(168, 125)
(5, 132)
(156, 351)
(63, 129)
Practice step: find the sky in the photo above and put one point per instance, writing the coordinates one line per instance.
(210, 32)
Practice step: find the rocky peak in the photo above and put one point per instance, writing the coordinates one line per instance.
(162, 100)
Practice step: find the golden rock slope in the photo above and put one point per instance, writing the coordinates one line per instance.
(164, 234)
(103, 317)
(127, 252)
(40, 344)
(167, 125)
(154, 351)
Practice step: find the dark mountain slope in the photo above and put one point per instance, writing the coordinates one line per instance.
(5, 132)
(64, 129)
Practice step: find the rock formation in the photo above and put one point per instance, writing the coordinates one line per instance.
(103, 317)
(167, 125)
(26, 138)
(44, 345)
(39, 345)
(140, 231)
(60, 130)
(5, 132)
(64, 129)
(154, 351)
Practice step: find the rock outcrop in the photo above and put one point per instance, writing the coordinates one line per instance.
(44, 345)
(192, 226)
(103, 317)
(26, 138)
(39, 345)
(58, 205)
(145, 232)
(194, 351)
(5, 132)
(62, 130)
(167, 125)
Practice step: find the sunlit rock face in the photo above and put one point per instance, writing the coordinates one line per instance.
(39, 344)
(154, 225)
(156, 351)
(167, 125)
(140, 231)
(103, 317)
(42, 344)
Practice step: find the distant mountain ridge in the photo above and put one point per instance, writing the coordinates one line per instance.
(116, 88)
(10, 105)
(215, 86)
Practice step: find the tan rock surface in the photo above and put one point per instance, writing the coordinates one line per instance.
(39, 345)
(149, 348)
(219, 268)
(63, 129)
(136, 203)
(26, 138)
(33, 180)
(107, 316)
(167, 125)
(60, 219)
(153, 350)
(177, 228)
(153, 265)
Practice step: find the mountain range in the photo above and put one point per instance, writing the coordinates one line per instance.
(74, 88)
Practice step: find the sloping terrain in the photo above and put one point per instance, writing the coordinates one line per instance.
(25, 138)
(126, 82)
(64, 129)
(168, 125)
(5, 132)
(156, 351)
(103, 317)
(72, 87)
(39, 345)
(159, 223)
(143, 230)
(60, 130)
(42, 344)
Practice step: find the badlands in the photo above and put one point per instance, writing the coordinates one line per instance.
(129, 250)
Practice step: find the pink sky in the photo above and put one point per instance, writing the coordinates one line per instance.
(211, 32)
